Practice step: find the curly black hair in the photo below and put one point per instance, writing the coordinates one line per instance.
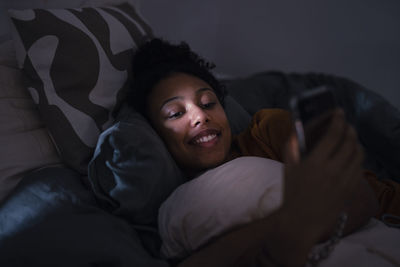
(158, 59)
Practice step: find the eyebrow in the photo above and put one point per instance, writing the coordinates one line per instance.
(199, 91)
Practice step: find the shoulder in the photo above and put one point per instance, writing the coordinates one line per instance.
(271, 114)
(276, 121)
(265, 136)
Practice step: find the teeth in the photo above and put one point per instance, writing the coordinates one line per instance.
(205, 138)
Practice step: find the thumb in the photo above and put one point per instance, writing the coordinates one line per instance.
(291, 153)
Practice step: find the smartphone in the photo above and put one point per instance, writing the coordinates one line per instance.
(311, 111)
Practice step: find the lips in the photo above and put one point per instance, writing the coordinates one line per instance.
(205, 138)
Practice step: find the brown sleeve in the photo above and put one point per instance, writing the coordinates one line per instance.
(387, 192)
(267, 134)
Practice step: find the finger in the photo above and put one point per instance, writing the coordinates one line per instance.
(342, 142)
(329, 142)
(291, 152)
(356, 163)
(346, 151)
(351, 173)
(353, 177)
(356, 157)
(342, 170)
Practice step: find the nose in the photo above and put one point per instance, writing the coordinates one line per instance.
(198, 116)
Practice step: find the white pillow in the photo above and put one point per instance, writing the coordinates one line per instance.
(235, 193)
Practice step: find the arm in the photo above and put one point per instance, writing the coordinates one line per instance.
(362, 203)
(362, 207)
(316, 191)
(245, 246)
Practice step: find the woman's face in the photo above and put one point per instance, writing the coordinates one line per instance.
(187, 114)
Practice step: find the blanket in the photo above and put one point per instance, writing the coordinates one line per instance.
(52, 219)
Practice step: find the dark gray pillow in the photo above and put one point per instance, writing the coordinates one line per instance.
(375, 119)
(51, 213)
(238, 117)
(132, 172)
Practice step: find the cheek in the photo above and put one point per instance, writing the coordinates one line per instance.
(173, 132)
(222, 118)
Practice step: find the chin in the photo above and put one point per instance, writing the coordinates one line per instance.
(212, 163)
(196, 165)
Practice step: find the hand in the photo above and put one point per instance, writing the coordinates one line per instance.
(316, 190)
(318, 186)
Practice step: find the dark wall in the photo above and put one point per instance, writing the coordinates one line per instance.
(358, 39)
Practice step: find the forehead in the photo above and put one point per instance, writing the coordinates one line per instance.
(179, 84)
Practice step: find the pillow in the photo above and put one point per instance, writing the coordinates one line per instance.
(77, 66)
(375, 119)
(5, 32)
(237, 116)
(235, 193)
(7, 54)
(132, 172)
(25, 143)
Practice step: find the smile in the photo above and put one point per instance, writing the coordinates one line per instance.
(205, 139)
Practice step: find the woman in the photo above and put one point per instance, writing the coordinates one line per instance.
(183, 101)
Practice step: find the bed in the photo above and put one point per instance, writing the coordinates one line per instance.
(63, 76)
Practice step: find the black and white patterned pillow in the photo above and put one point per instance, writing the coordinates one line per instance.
(77, 64)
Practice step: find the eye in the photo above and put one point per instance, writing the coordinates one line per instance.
(175, 115)
(208, 105)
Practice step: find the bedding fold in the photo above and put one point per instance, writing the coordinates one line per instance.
(52, 219)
